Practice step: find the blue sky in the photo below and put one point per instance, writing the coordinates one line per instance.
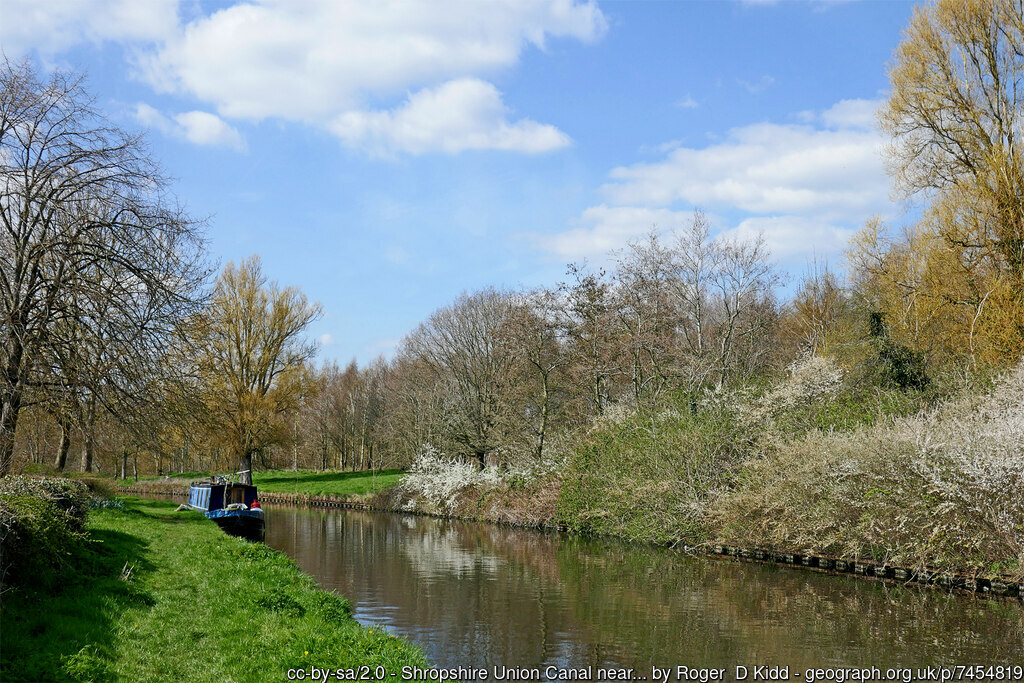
(387, 156)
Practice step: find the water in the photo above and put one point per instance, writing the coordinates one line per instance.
(479, 595)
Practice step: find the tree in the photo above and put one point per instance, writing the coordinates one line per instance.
(647, 314)
(724, 290)
(252, 359)
(591, 331)
(463, 346)
(956, 114)
(817, 311)
(535, 332)
(85, 218)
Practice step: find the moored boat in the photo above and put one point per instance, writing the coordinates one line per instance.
(233, 506)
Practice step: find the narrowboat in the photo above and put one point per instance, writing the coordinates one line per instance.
(233, 506)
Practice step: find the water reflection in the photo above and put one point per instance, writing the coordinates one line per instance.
(482, 595)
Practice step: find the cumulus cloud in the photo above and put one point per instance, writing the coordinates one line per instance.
(335, 63)
(602, 229)
(852, 114)
(793, 238)
(325, 339)
(805, 186)
(311, 60)
(198, 127)
(56, 25)
(835, 173)
(464, 114)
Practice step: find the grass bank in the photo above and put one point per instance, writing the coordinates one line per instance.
(156, 595)
(305, 482)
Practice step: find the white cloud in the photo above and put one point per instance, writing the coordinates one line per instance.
(310, 60)
(464, 114)
(758, 86)
(322, 62)
(852, 114)
(792, 238)
(767, 168)
(325, 339)
(806, 186)
(602, 229)
(688, 102)
(198, 127)
(51, 26)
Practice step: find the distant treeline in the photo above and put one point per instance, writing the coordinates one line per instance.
(113, 339)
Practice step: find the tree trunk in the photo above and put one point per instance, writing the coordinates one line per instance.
(245, 468)
(8, 425)
(87, 450)
(124, 463)
(64, 444)
(11, 403)
(543, 418)
(88, 433)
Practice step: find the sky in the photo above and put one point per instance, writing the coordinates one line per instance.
(387, 156)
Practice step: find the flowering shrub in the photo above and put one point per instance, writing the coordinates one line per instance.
(941, 488)
(811, 379)
(435, 481)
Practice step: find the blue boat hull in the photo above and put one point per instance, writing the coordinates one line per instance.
(245, 523)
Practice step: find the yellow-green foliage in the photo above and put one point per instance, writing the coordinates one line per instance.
(41, 524)
(648, 476)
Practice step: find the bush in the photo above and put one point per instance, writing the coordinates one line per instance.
(438, 484)
(42, 521)
(938, 489)
(818, 395)
(649, 476)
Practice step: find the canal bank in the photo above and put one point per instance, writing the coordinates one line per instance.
(997, 586)
(155, 595)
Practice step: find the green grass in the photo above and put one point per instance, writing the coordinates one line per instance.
(158, 595)
(314, 483)
(326, 483)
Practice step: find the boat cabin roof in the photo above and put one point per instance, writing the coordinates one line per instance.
(206, 483)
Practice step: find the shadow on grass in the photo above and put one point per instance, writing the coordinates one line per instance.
(66, 629)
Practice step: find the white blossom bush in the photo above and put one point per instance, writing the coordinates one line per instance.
(436, 481)
(614, 414)
(940, 489)
(811, 379)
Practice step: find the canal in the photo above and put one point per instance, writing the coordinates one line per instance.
(482, 595)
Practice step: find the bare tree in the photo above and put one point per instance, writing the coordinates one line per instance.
(592, 337)
(725, 293)
(647, 314)
(536, 332)
(84, 218)
(463, 347)
(697, 260)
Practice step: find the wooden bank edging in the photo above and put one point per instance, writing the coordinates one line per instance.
(999, 587)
